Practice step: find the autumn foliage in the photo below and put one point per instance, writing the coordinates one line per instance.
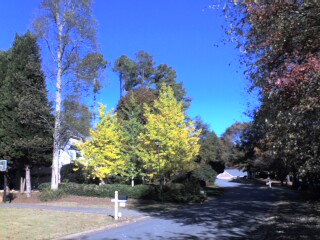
(102, 155)
(281, 49)
(127, 147)
(177, 138)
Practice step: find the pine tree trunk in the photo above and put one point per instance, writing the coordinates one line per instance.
(28, 181)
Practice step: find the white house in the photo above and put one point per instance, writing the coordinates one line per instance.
(69, 152)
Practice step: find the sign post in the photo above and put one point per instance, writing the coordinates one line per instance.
(3, 168)
(269, 183)
(118, 200)
(116, 206)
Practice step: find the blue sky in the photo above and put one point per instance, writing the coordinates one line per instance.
(180, 33)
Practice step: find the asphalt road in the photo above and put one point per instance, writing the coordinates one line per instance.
(232, 216)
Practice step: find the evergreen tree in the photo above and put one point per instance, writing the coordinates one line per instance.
(209, 147)
(90, 72)
(167, 75)
(4, 106)
(26, 126)
(145, 69)
(124, 66)
(142, 73)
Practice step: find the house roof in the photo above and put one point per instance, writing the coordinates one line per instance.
(229, 174)
(225, 175)
(236, 172)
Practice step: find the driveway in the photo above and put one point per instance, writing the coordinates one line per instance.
(231, 216)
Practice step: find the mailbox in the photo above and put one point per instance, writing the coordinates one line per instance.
(122, 200)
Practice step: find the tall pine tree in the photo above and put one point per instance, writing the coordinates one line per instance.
(26, 126)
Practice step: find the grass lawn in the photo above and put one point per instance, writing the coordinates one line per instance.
(45, 224)
(76, 204)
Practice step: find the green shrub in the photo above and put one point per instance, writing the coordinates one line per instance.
(189, 191)
(205, 173)
(183, 193)
(107, 190)
(48, 195)
(183, 197)
(44, 186)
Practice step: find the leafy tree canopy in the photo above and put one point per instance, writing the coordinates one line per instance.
(136, 99)
(102, 156)
(143, 73)
(167, 131)
(209, 143)
(281, 52)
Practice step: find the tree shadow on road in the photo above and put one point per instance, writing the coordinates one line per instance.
(231, 216)
(296, 218)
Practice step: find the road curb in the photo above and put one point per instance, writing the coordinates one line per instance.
(120, 224)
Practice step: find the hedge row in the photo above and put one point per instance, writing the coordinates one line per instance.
(170, 193)
(107, 190)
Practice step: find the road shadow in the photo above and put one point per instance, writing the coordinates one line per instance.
(234, 215)
(298, 217)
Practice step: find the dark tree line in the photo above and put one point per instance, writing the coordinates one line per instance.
(281, 54)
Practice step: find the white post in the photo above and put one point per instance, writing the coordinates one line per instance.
(116, 205)
(132, 181)
(269, 183)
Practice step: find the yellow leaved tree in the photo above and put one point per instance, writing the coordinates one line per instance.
(169, 143)
(102, 155)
